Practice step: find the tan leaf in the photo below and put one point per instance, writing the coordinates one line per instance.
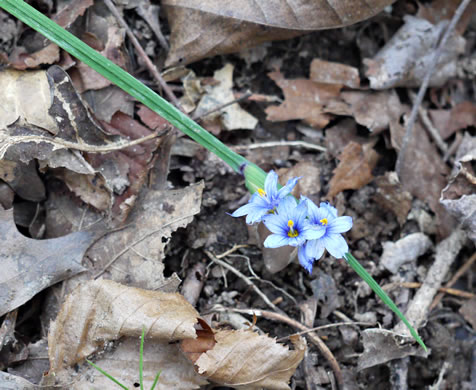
(122, 363)
(334, 73)
(355, 168)
(304, 99)
(207, 28)
(102, 310)
(30, 266)
(244, 359)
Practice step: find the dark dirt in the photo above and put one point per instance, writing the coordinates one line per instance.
(446, 333)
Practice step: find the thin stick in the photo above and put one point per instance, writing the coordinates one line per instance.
(222, 106)
(150, 66)
(273, 144)
(245, 279)
(322, 327)
(313, 337)
(424, 85)
(443, 290)
(466, 266)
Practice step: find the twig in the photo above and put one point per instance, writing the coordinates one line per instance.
(145, 12)
(232, 250)
(424, 85)
(446, 252)
(245, 279)
(313, 337)
(222, 106)
(137, 242)
(434, 133)
(18, 139)
(326, 327)
(150, 66)
(453, 280)
(443, 290)
(273, 144)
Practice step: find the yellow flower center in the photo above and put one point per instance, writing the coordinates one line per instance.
(292, 232)
(323, 221)
(261, 192)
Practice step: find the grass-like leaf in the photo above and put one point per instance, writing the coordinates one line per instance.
(107, 375)
(357, 267)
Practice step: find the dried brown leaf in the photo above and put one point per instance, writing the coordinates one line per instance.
(304, 99)
(462, 115)
(122, 363)
(207, 28)
(391, 196)
(404, 60)
(31, 265)
(355, 168)
(102, 310)
(244, 359)
(334, 73)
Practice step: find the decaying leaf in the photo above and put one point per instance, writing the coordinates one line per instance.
(334, 73)
(207, 28)
(462, 115)
(122, 363)
(404, 60)
(354, 169)
(381, 346)
(23, 179)
(29, 266)
(231, 117)
(133, 254)
(459, 197)
(391, 196)
(304, 99)
(102, 310)
(244, 359)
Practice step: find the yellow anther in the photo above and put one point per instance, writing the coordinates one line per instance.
(323, 221)
(261, 192)
(292, 232)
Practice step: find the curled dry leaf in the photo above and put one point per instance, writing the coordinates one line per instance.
(459, 196)
(304, 99)
(355, 168)
(122, 363)
(245, 360)
(231, 117)
(404, 60)
(31, 265)
(207, 28)
(103, 310)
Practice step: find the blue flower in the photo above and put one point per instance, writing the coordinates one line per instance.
(264, 202)
(289, 225)
(325, 217)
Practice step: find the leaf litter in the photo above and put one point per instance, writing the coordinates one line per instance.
(142, 237)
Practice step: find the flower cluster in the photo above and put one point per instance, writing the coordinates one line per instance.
(302, 224)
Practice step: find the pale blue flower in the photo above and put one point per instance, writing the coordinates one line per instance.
(325, 217)
(265, 201)
(289, 225)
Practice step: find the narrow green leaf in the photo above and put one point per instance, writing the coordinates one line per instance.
(155, 380)
(107, 375)
(122, 79)
(141, 359)
(357, 267)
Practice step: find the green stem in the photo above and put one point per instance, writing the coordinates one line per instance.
(357, 267)
(122, 79)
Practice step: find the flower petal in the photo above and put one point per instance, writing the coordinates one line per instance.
(305, 261)
(330, 209)
(275, 241)
(312, 232)
(287, 207)
(335, 245)
(271, 185)
(340, 225)
(315, 249)
(288, 187)
(276, 224)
